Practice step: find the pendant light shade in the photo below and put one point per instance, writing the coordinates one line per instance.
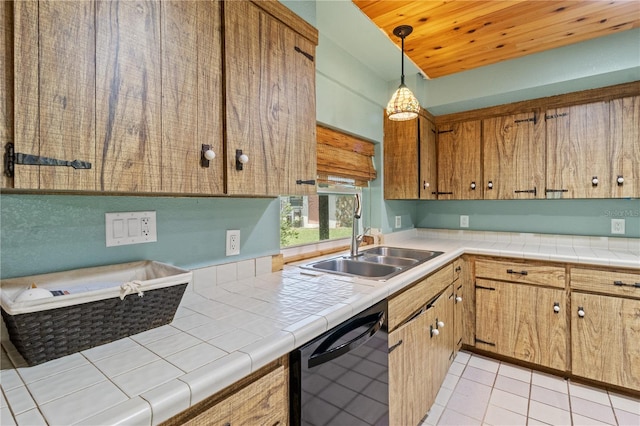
(403, 104)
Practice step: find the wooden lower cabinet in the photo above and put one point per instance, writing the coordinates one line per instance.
(520, 321)
(605, 339)
(262, 398)
(420, 353)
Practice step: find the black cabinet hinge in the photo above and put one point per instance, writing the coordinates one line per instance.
(11, 158)
(307, 55)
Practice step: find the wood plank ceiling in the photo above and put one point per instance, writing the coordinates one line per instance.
(450, 36)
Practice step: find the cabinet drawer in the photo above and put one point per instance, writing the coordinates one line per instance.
(609, 282)
(417, 295)
(521, 272)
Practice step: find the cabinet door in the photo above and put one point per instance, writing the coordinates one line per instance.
(459, 166)
(519, 321)
(604, 340)
(442, 345)
(270, 103)
(625, 141)
(129, 96)
(578, 151)
(514, 156)
(401, 159)
(409, 390)
(55, 92)
(428, 159)
(191, 96)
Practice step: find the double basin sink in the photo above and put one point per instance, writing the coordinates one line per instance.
(378, 263)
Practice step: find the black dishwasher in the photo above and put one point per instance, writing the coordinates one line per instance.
(342, 377)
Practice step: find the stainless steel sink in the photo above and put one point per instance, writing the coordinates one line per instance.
(388, 260)
(417, 255)
(356, 267)
(379, 263)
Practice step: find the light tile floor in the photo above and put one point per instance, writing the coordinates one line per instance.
(483, 391)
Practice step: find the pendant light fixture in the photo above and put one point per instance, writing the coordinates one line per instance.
(403, 105)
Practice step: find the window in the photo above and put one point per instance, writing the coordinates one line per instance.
(315, 218)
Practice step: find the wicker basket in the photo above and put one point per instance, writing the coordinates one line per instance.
(53, 327)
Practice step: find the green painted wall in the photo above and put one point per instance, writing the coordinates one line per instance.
(47, 233)
(577, 217)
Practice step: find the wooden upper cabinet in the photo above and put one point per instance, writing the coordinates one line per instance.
(514, 156)
(191, 96)
(55, 92)
(270, 103)
(459, 164)
(409, 159)
(625, 142)
(578, 151)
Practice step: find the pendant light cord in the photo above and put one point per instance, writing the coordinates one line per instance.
(402, 61)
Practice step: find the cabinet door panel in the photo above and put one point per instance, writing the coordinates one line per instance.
(265, 75)
(409, 393)
(401, 157)
(459, 165)
(526, 326)
(577, 151)
(625, 141)
(129, 97)
(428, 158)
(513, 156)
(55, 92)
(191, 96)
(604, 343)
(300, 144)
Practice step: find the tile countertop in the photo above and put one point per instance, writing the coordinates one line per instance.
(238, 317)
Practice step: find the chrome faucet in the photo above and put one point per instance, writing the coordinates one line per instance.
(355, 238)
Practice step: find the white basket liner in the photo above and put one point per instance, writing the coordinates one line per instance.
(152, 274)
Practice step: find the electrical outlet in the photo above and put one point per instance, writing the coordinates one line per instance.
(130, 228)
(398, 221)
(617, 226)
(233, 242)
(464, 221)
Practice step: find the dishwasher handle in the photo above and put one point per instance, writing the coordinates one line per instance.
(323, 354)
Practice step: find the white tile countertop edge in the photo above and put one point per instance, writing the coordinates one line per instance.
(257, 318)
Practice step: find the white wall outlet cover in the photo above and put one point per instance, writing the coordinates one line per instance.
(617, 226)
(464, 221)
(233, 242)
(398, 221)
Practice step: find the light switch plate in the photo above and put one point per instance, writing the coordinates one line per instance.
(125, 228)
(464, 221)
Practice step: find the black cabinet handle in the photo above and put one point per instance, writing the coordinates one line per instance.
(511, 271)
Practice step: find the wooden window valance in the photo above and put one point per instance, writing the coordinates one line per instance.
(344, 159)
